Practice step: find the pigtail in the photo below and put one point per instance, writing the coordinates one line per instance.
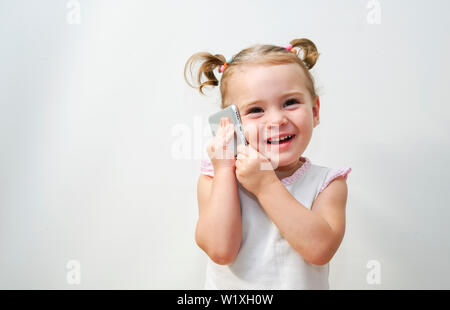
(209, 63)
(310, 53)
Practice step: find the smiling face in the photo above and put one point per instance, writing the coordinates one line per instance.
(273, 101)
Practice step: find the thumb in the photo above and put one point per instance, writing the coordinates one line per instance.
(253, 153)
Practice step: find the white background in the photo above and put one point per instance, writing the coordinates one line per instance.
(89, 115)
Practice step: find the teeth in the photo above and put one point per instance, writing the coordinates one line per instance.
(278, 140)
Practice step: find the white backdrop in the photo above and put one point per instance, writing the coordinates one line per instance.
(95, 193)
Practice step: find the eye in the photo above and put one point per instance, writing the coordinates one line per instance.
(292, 101)
(288, 102)
(253, 110)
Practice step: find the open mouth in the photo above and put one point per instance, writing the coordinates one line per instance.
(282, 140)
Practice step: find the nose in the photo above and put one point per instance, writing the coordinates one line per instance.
(276, 119)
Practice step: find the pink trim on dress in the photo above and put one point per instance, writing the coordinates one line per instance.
(206, 167)
(340, 173)
(298, 173)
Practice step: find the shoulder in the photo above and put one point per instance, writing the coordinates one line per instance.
(335, 192)
(331, 194)
(332, 175)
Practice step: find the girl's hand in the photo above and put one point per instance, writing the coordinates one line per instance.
(222, 157)
(253, 170)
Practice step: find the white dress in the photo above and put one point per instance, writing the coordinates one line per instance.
(265, 259)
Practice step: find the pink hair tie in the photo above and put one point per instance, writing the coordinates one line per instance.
(289, 48)
(223, 67)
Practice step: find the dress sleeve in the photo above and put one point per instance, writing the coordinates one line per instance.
(206, 167)
(334, 174)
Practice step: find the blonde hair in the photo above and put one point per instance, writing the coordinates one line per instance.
(256, 54)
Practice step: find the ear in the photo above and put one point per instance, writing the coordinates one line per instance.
(316, 108)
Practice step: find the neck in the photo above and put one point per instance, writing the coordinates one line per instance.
(287, 171)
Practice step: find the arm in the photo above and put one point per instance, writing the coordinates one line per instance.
(315, 234)
(219, 227)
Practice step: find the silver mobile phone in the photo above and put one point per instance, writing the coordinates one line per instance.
(233, 115)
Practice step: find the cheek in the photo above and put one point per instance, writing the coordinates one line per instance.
(304, 120)
(251, 132)
(305, 128)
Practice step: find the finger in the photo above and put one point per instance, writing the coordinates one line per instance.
(239, 162)
(242, 149)
(221, 135)
(241, 156)
(223, 129)
(219, 131)
(228, 126)
(229, 133)
(224, 121)
(212, 146)
(252, 152)
(217, 147)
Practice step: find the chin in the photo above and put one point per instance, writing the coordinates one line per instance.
(286, 159)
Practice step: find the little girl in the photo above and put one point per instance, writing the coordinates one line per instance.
(267, 228)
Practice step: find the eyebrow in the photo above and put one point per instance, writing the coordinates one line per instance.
(247, 105)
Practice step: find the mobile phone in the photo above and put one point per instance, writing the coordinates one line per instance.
(232, 113)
